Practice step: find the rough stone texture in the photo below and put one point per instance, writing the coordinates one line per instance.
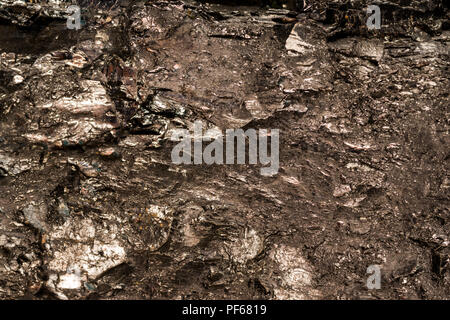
(91, 205)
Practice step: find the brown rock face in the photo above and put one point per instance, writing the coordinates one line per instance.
(92, 205)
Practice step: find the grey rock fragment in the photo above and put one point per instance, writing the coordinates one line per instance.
(36, 215)
(10, 166)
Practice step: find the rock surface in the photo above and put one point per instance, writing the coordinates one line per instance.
(92, 206)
